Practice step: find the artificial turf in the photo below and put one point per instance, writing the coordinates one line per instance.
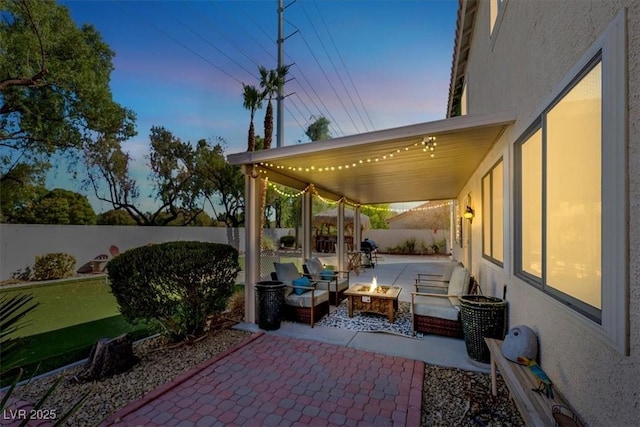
(70, 318)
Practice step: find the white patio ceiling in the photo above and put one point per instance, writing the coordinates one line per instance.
(403, 172)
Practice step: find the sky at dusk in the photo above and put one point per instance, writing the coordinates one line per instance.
(364, 64)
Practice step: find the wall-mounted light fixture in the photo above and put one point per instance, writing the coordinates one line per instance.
(469, 213)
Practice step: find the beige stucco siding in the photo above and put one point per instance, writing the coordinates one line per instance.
(536, 45)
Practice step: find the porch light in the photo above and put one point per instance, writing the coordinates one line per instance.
(469, 213)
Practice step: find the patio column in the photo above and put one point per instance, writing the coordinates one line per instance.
(307, 221)
(357, 229)
(340, 242)
(252, 240)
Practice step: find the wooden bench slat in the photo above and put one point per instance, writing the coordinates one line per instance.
(535, 408)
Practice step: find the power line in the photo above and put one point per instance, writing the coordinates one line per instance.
(323, 71)
(175, 40)
(257, 25)
(355, 88)
(194, 32)
(313, 89)
(225, 37)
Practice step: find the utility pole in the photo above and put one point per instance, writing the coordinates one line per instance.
(280, 97)
(280, 101)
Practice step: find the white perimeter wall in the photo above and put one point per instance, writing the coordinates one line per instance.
(21, 243)
(390, 238)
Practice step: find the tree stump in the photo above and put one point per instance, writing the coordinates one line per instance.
(109, 357)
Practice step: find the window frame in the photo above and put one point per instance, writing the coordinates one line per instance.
(488, 213)
(495, 22)
(611, 48)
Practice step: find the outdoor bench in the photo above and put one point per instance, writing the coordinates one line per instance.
(536, 408)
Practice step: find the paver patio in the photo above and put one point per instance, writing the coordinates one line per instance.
(271, 380)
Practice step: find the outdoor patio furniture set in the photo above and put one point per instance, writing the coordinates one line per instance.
(435, 305)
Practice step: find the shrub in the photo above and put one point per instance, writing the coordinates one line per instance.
(54, 266)
(410, 245)
(22, 275)
(176, 284)
(268, 244)
(288, 241)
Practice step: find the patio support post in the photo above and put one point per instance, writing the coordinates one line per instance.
(357, 229)
(340, 242)
(252, 240)
(307, 222)
(452, 225)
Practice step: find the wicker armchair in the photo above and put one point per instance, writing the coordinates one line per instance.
(302, 303)
(444, 277)
(336, 282)
(435, 307)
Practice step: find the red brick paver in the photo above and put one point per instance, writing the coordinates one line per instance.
(277, 381)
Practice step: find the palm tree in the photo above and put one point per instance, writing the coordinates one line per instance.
(252, 100)
(270, 82)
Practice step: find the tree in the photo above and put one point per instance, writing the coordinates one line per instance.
(185, 177)
(202, 219)
(21, 188)
(172, 163)
(223, 187)
(270, 82)
(378, 215)
(319, 129)
(57, 207)
(115, 217)
(252, 101)
(54, 88)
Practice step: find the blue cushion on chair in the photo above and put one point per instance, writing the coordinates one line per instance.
(327, 274)
(302, 281)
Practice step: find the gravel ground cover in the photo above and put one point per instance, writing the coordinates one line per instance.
(451, 397)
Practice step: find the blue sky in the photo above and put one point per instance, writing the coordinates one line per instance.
(365, 65)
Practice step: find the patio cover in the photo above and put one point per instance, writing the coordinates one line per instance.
(402, 171)
(383, 166)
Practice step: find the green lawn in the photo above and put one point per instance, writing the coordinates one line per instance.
(67, 303)
(71, 316)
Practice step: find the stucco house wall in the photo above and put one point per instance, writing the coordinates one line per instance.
(536, 44)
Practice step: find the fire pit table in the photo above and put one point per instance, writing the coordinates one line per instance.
(373, 299)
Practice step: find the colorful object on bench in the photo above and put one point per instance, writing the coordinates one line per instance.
(544, 383)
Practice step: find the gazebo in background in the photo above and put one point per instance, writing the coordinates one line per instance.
(325, 240)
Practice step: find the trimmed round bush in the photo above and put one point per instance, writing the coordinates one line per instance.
(177, 284)
(52, 266)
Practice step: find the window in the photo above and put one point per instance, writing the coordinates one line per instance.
(463, 99)
(560, 197)
(531, 205)
(571, 197)
(495, 8)
(573, 191)
(493, 214)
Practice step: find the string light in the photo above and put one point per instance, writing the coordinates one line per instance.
(288, 195)
(311, 188)
(428, 145)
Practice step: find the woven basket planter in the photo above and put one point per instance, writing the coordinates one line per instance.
(482, 317)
